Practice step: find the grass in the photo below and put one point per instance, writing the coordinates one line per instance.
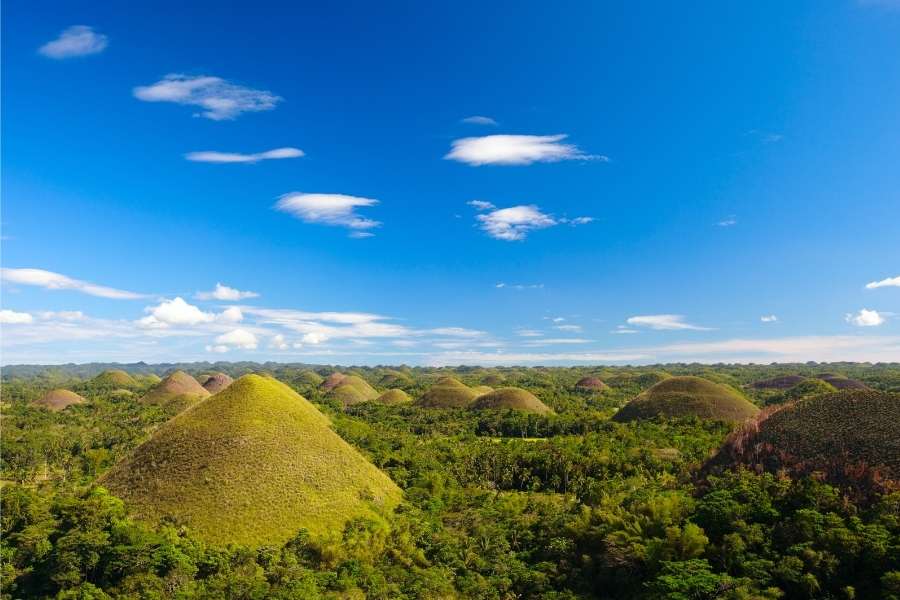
(217, 382)
(251, 465)
(393, 378)
(176, 392)
(689, 396)
(512, 398)
(349, 389)
(447, 392)
(850, 437)
(57, 400)
(114, 378)
(807, 388)
(309, 377)
(393, 397)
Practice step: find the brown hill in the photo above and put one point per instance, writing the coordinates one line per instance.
(217, 382)
(842, 383)
(511, 398)
(393, 398)
(447, 392)
(590, 384)
(57, 400)
(782, 382)
(176, 392)
(689, 396)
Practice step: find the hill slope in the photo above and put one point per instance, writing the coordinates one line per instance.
(511, 398)
(217, 382)
(349, 389)
(114, 378)
(251, 465)
(393, 397)
(852, 437)
(590, 384)
(60, 399)
(688, 396)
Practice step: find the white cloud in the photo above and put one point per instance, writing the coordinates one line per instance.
(455, 332)
(11, 317)
(522, 358)
(557, 341)
(314, 338)
(211, 156)
(479, 120)
(889, 282)
(866, 318)
(232, 314)
(529, 333)
(622, 330)
(727, 222)
(277, 342)
(768, 318)
(663, 322)
(481, 204)
(56, 281)
(515, 150)
(219, 99)
(514, 223)
(63, 315)
(221, 349)
(238, 338)
(228, 294)
(327, 209)
(78, 40)
(174, 312)
(361, 235)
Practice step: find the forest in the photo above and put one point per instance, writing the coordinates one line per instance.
(499, 503)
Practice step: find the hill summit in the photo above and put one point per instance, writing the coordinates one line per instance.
(177, 391)
(251, 465)
(688, 396)
(349, 389)
(447, 392)
(114, 378)
(511, 398)
(217, 382)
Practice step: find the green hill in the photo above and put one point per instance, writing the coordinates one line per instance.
(808, 387)
(447, 392)
(593, 384)
(688, 396)
(850, 437)
(349, 389)
(217, 382)
(842, 383)
(114, 378)
(393, 397)
(481, 390)
(309, 377)
(251, 465)
(393, 378)
(57, 400)
(493, 379)
(512, 398)
(176, 392)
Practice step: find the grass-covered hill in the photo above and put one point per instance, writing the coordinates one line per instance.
(59, 399)
(217, 382)
(850, 437)
(806, 388)
(590, 384)
(782, 382)
(251, 465)
(176, 392)
(493, 379)
(393, 397)
(689, 396)
(309, 377)
(114, 378)
(348, 389)
(394, 378)
(447, 392)
(511, 398)
(841, 382)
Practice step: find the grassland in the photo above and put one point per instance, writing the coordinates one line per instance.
(251, 465)
(447, 392)
(114, 378)
(511, 398)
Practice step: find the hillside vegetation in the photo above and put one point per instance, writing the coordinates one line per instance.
(689, 396)
(114, 378)
(511, 398)
(251, 465)
(447, 392)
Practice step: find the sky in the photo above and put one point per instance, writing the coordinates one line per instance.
(450, 183)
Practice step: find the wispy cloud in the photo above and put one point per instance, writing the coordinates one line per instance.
(622, 330)
(766, 137)
(572, 328)
(219, 99)
(481, 204)
(55, 281)
(328, 209)
(768, 318)
(557, 341)
(866, 318)
(225, 293)
(211, 156)
(78, 40)
(729, 221)
(519, 286)
(515, 150)
(663, 322)
(529, 333)
(889, 282)
(479, 120)
(516, 222)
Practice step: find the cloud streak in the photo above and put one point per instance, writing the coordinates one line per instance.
(328, 209)
(56, 281)
(211, 156)
(889, 282)
(664, 323)
(226, 294)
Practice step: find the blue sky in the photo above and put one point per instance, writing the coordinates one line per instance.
(720, 163)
